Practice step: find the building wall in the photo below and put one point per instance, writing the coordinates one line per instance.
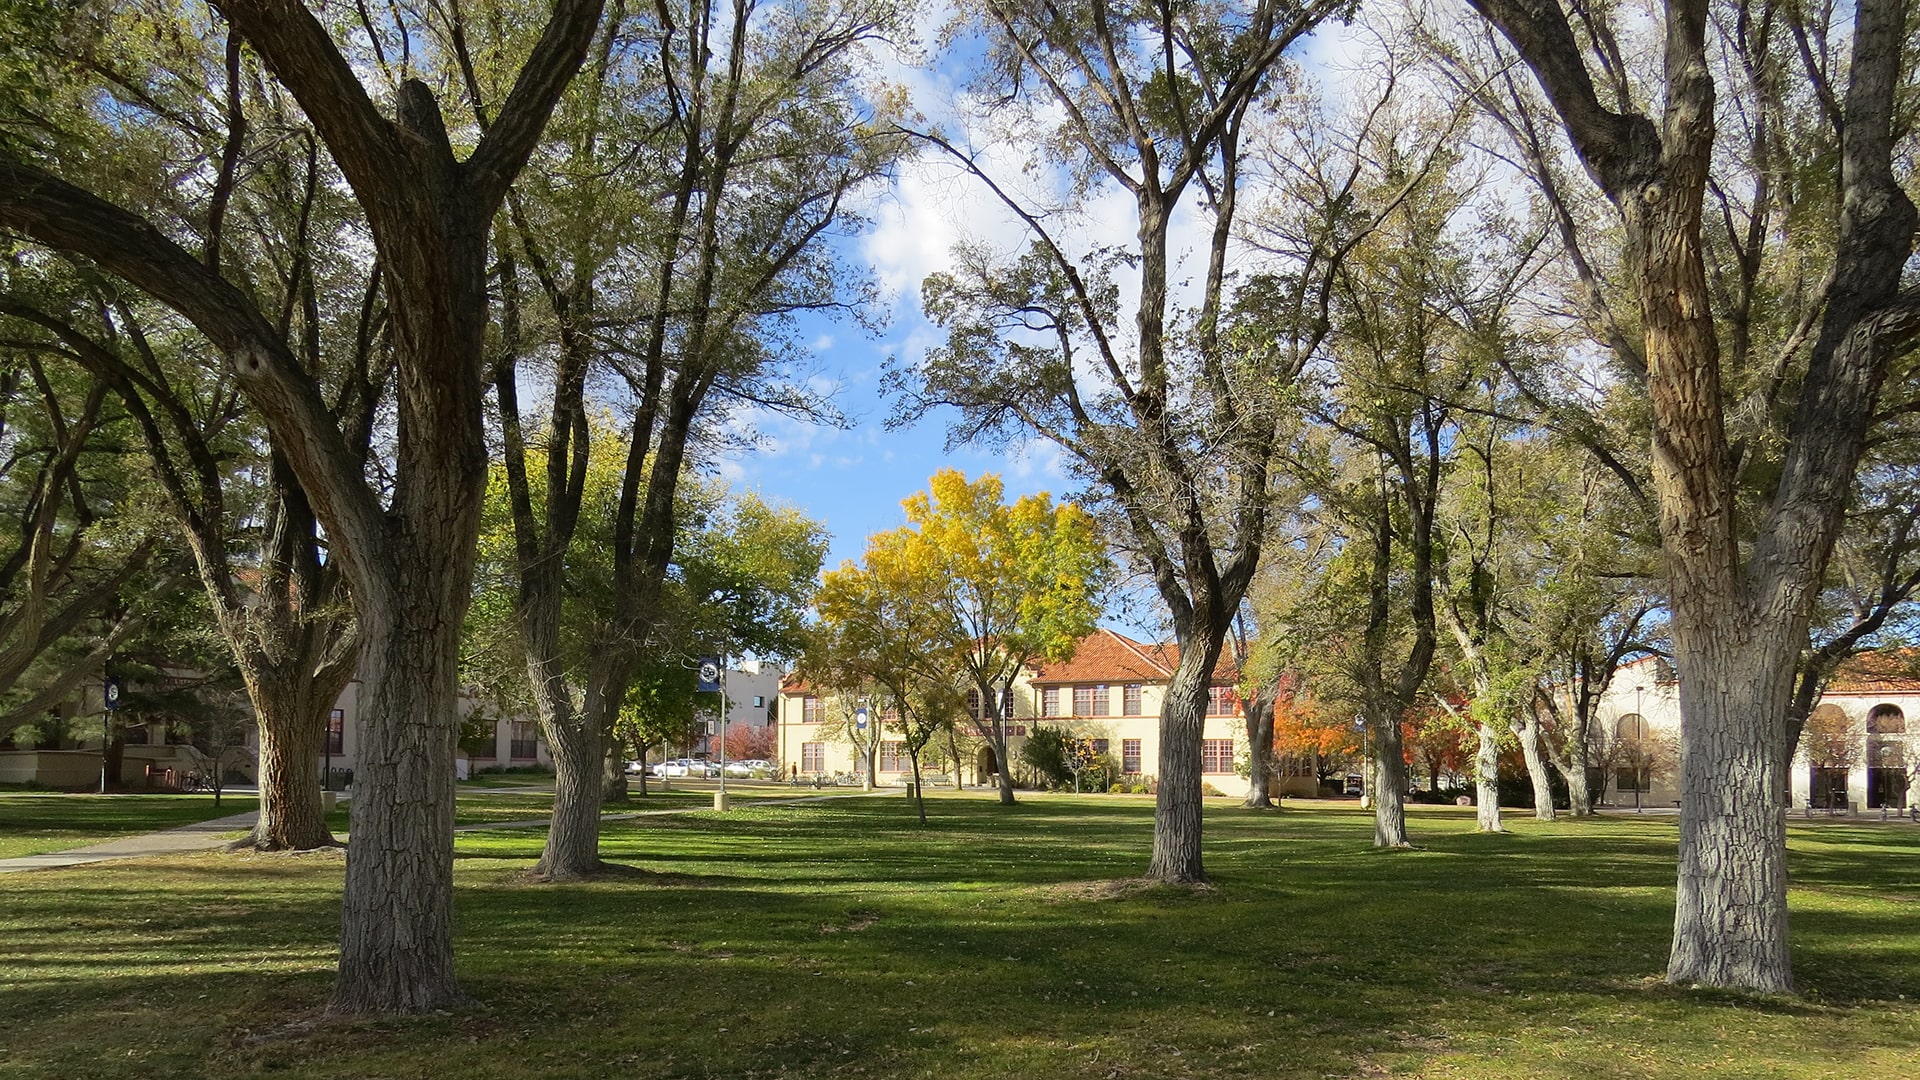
(516, 740)
(1637, 689)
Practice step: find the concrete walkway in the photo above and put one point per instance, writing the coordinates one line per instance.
(208, 835)
(200, 836)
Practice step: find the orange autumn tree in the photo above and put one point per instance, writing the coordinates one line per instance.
(1301, 730)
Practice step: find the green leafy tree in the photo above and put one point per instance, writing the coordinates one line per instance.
(685, 214)
(403, 535)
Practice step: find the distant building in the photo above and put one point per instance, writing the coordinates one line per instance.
(1856, 754)
(1110, 691)
(159, 755)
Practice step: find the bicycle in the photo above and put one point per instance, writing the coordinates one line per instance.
(194, 782)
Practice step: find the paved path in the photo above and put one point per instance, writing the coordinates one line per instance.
(200, 836)
(208, 835)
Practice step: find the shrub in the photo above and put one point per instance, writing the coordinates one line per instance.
(1208, 789)
(1139, 789)
(1046, 752)
(1117, 789)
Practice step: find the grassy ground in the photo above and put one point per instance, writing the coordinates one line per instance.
(839, 939)
(32, 824)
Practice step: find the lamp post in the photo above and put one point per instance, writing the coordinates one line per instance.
(1639, 746)
(720, 800)
(866, 740)
(110, 699)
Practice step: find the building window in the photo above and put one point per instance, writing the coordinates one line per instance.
(135, 735)
(1130, 755)
(1050, 701)
(1006, 702)
(337, 731)
(1100, 746)
(893, 757)
(1089, 700)
(521, 744)
(759, 701)
(1631, 780)
(890, 714)
(813, 757)
(1216, 755)
(1130, 700)
(1221, 700)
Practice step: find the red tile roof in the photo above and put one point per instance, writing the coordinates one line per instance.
(1106, 656)
(1887, 671)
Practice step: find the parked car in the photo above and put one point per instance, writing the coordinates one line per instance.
(1355, 786)
(635, 768)
(748, 767)
(703, 767)
(671, 767)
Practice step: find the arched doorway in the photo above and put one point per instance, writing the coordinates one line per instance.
(1632, 763)
(1887, 758)
(1833, 749)
(983, 765)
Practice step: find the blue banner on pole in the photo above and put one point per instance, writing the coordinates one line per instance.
(709, 675)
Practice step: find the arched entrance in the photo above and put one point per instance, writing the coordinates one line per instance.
(1833, 749)
(1887, 758)
(983, 765)
(1633, 765)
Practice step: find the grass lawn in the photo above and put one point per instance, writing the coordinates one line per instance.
(839, 939)
(32, 824)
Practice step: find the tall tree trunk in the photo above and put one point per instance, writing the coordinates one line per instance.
(1177, 801)
(396, 925)
(1388, 782)
(580, 762)
(1730, 923)
(1528, 732)
(412, 587)
(1579, 783)
(293, 727)
(1003, 763)
(1260, 745)
(614, 788)
(953, 749)
(1486, 779)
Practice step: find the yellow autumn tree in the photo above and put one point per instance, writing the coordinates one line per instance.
(1014, 585)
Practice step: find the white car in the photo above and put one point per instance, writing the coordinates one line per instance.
(671, 767)
(747, 767)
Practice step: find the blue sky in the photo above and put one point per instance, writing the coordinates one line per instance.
(854, 479)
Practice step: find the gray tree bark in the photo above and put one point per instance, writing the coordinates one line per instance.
(1527, 730)
(1259, 709)
(1177, 800)
(1486, 778)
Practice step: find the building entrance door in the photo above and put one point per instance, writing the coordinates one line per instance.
(1887, 788)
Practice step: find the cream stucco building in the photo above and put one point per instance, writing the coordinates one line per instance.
(1110, 691)
(1857, 753)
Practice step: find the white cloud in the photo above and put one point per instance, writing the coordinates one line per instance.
(1037, 458)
